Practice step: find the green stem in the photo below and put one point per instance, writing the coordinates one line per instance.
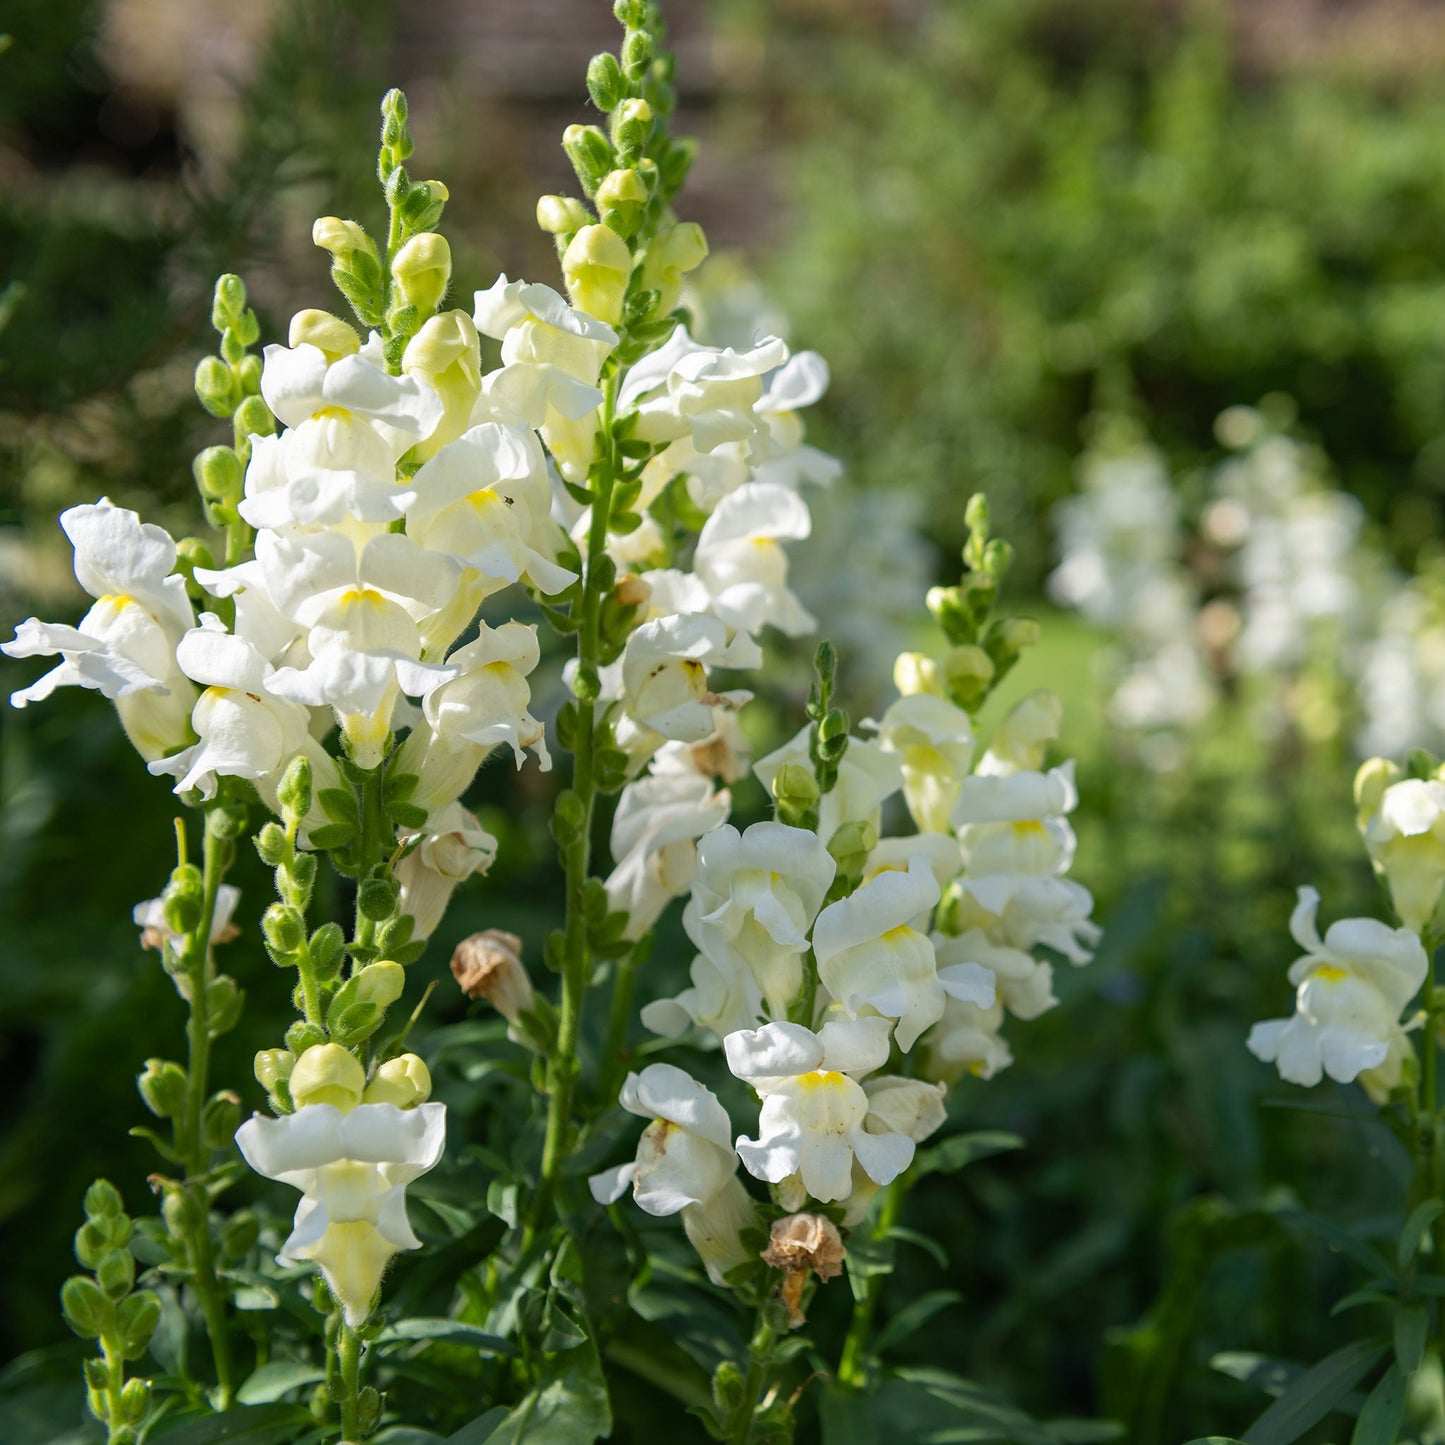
(562, 1066)
(614, 1057)
(853, 1364)
(348, 1354)
(760, 1363)
(194, 1151)
(1432, 1167)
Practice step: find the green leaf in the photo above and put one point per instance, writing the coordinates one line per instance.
(453, 1332)
(1216, 1440)
(568, 1407)
(1083, 1432)
(329, 836)
(959, 1150)
(245, 1425)
(272, 1381)
(1379, 1422)
(929, 1246)
(1314, 1394)
(477, 1431)
(338, 803)
(913, 1316)
(1360, 1297)
(1362, 1253)
(1412, 1330)
(1421, 1218)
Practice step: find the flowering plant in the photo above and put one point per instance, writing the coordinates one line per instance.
(327, 681)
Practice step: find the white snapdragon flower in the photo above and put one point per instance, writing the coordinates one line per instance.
(1021, 741)
(1023, 911)
(484, 705)
(1404, 831)
(706, 393)
(723, 997)
(352, 1168)
(349, 422)
(974, 969)
(741, 562)
(934, 741)
(685, 1164)
(245, 730)
(454, 847)
(871, 953)
(1352, 987)
(655, 834)
(911, 1107)
(965, 1041)
(755, 898)
(124, 647)
(812, 1119)
(867, 776)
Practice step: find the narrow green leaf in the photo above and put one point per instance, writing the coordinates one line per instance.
(1379, 1422)
(1362, 1253)
(959, 1150)
(1421, 1218)
(453, 1332)
(1314, 1394)
(244, 1425)
(272, 1381)
(1361, 1297)
(1412, 1330)
(330, 835)
(913, 1316)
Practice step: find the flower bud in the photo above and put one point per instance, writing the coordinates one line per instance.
(116, 1273)
(620, 199)
(136, 1319)
(914, 673)
(343, 240)
(85, 1307)
(327, 1074)
(598, 266)
(631, 126)
(220, 1119)
(253, 418)
(604, 81)
(302, 1036)
(637, 52)
(380, 983)
(556, 215)
(324, 331)
(224, 1000)
(669, 256)
(376, 899)
(181, 1212)
(422, 270)
(968, 674)
(1374, 776)
(135, 1397)
(404, 1081)
(216, 386)
(795, 787)
(219, 475)
(273, 1066)
(163, 1088)
(590, 153)
(489, 965)
(103, 1201)
(228, 305)
(283, 927)
(294, 792)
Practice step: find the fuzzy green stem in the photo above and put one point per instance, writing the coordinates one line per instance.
(614, 1058)
(760, 1365)
(853, 1363)
(562, 1066)
(348, 1355)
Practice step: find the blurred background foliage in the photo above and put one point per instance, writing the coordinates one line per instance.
(995, 220)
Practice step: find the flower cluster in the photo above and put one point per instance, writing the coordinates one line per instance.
(1356, 984)
(851, 978)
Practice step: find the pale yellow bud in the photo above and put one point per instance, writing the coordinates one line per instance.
(670, 256)
(967, 672)
(556, 215)
(916, 672)
(446, 353)
(272, 1066)
(380, 983)
(1374, 776)
(620, 199)
(341, 238)
(324, 331)
(327, 1074)
(422, 270)
(598, 266)
(403, 1081)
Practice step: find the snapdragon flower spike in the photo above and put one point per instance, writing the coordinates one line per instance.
(812, 1120)
(1352, 986)
(124, 647)
(867, 777)
(655, 833)
(871, 955)
(685, 1164)
(352, 1168)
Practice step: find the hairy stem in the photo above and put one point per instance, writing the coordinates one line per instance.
(760, 1366)
(853, 1364)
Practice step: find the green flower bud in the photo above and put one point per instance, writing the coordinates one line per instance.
(354, 1024)
(294, 792)
(326, 946)
(229, 302)
(631, 126)
(91, 1242)
(283, 927)
(558, 215)
(272, 846)
(228, 821)
(975, 514)
(163, 1088)
(224, 1001)
(631, 13)
(324, 331)
(116, 1273)
(404, 1081)
(590, 153)
(302, 1036)
(376, 898)
(368, 1409)
(219, 475)
(344, 240)
(327, 1074)
(253, 418)
(422, 271)
(123, 1435)
(181, 1213)
(220, 1118)
(248, 373)
(998, 557)
(271, 1065)
(604, 81)
(638, 49)
(103, 1201)
(135, 1395)
(217, 387)
(182, 912)
(968, 673)
(795, 787)
(620, 201)
(85, 1307)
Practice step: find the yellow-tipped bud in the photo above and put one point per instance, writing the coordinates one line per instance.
(341, 238)
(1374, 776)
(327, 1074)
(403, 1081)
(324, 331)
(422, 271)
(967, 674)
(670, 256)
(598, 266)
(915, 672)
(380, 983)
(273, 1066)
(556, 215)
(446, 352)
(620, 199)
